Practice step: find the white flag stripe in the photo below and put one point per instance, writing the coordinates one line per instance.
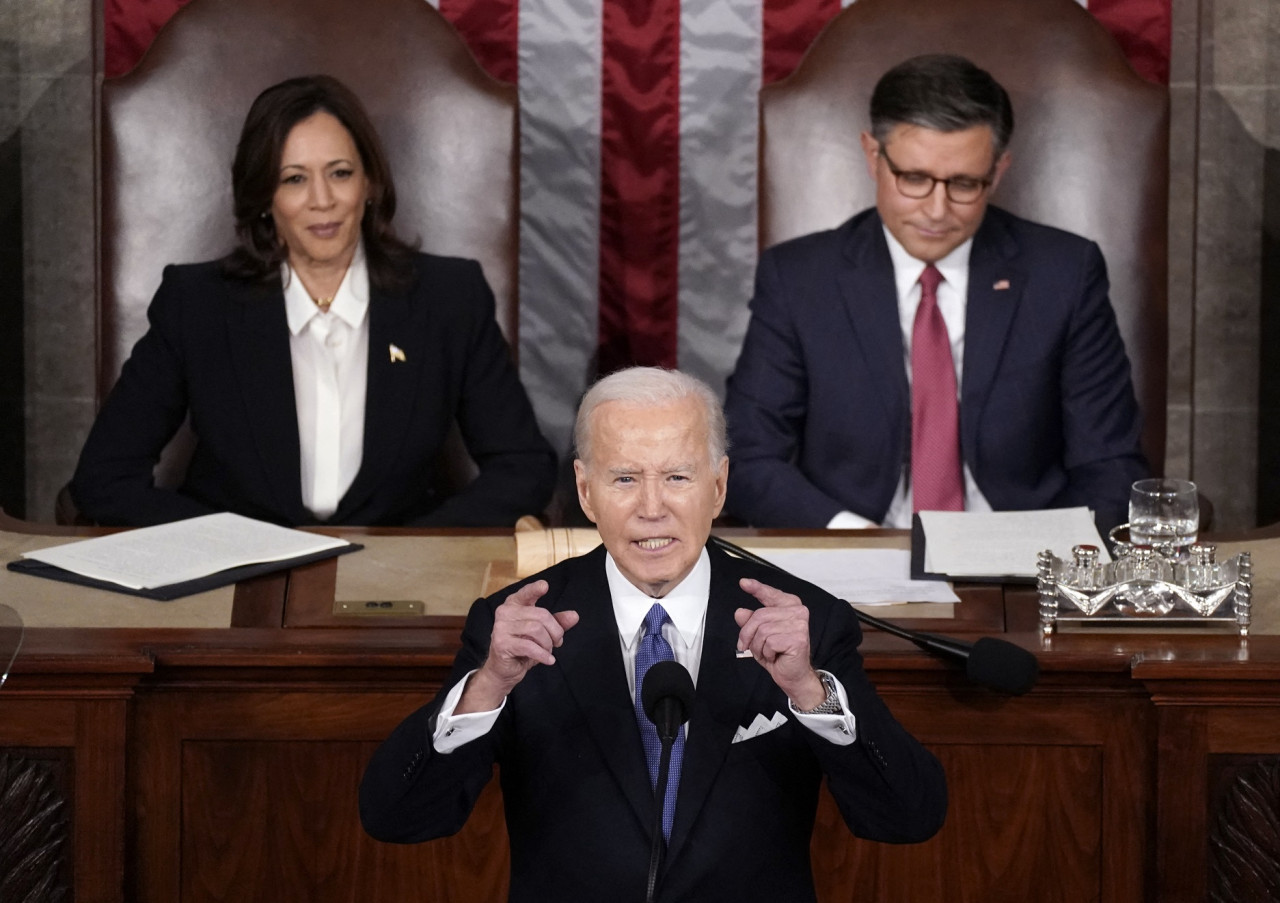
(559, 83)
(720, 63)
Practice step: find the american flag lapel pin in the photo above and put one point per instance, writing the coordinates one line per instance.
(397, 356)
(1001, 285)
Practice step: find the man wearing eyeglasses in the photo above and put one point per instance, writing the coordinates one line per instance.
(934, 352)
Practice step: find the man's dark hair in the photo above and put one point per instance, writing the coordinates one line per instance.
(255, 176)
(943, 92)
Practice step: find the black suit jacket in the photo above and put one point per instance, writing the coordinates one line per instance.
(218, 349)
(579, 807)
(819, 406)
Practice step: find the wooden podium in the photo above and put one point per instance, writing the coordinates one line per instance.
(155, 764)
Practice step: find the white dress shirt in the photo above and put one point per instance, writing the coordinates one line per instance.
(953, 294)
(686, 606)
(330, 354)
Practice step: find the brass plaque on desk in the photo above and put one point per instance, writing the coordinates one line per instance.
(375, 607)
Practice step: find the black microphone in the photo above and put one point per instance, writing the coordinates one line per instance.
(990, 662)
(667, 699)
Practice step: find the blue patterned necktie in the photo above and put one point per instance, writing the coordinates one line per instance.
(653, 648)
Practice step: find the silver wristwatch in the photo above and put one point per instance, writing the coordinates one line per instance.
(830, 705)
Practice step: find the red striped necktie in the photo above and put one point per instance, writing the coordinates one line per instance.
(936, 479)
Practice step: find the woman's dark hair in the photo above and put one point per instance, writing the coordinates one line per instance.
(255, 176)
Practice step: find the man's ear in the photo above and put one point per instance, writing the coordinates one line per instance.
(584, 489)
(871, 148)
(1001, 165)
(722, 485)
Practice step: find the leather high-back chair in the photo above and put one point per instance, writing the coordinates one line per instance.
(170, 126)
(1090, 144)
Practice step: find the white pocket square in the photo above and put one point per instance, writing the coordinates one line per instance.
(760, 725)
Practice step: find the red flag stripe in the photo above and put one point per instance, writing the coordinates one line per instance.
(639, 184)
(1142, 27)
(491, 29)
(129, 27)
(788, 28)
(1144, 30)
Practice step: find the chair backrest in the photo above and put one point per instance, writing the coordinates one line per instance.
(169, 131)
(1090, 144)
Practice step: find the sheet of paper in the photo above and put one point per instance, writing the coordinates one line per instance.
(1000, 543)
(863, 576)
(183, 550)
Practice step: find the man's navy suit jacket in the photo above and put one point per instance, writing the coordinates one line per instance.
(579, 807)
(218, 350)
(819, 406)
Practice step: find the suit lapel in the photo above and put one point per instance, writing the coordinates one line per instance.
(263, 369)
(870, 299)
(396, 359)
(996, 283)
(726, 688)
(591, 661)
(727, 691)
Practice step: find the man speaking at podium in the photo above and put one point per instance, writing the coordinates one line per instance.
(546, 682)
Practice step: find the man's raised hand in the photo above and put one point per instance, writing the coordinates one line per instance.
(524, 635)
(777, 634)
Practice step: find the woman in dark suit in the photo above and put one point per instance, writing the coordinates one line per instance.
(323, 362)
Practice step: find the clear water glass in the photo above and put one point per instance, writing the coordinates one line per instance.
(1164, 512)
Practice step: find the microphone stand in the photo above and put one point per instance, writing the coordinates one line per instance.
(659, 797)
(928, 641)
(999, 665)
(667, 700)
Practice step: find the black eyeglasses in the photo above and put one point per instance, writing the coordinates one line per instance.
(917, 185)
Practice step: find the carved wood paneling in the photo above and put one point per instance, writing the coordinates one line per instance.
(1002, 840)
(247, 792)
(1244, 830)
(260, 816)
(35, 829)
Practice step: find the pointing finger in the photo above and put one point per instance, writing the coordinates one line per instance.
(767, 595)
(530, 593)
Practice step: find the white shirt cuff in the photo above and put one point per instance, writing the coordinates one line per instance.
(840, 728)
(847, 520)
(453, 731)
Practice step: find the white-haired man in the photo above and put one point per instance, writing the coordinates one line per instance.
(545, 688)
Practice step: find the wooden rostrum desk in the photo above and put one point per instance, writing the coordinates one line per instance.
(163, 764)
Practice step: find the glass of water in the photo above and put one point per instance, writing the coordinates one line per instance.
(1164, 512)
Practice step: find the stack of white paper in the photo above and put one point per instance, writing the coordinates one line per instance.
(862, 576)
(1003, 543)
(158, 556)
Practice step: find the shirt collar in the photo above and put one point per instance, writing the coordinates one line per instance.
(685, 604)
(350, 304)
(907, 269)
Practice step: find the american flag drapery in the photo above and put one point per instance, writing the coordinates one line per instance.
(638, 153)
